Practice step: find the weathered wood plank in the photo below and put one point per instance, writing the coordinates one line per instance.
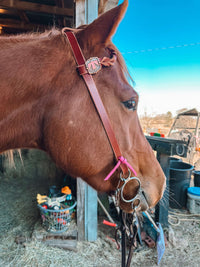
(90, 214)
(27, 6)
(79, 12)
(16, 24)
(86, 12)
(23, 16)
(81, 209)
(91, 10)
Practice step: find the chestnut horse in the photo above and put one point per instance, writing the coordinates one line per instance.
(45, 105)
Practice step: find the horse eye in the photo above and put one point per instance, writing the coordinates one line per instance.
(130, 104)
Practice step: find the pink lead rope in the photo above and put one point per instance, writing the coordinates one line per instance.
(121, 160)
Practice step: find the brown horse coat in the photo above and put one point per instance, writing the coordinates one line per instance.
(45, 105)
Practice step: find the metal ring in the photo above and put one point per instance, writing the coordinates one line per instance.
(134, 208)
(178, 146)
(122, 188)
(124, 179)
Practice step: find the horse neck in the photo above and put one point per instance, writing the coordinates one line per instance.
(27, 71)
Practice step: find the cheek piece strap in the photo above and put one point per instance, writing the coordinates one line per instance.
(86, 69)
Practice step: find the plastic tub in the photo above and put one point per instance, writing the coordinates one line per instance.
(193, 201)
(180, 176)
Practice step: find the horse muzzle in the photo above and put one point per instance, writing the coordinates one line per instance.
(139, 204)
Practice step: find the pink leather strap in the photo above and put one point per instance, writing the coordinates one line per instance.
(80, 60)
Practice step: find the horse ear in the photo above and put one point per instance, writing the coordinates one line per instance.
(103, 28)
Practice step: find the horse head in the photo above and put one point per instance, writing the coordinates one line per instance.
(46, 105)
(81, 146)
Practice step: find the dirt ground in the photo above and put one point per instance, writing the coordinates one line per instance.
(19, 214)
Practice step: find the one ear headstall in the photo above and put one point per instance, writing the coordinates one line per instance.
(93, 64)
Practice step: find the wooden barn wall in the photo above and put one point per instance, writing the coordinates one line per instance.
(81, 16)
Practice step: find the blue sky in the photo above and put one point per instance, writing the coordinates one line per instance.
(160, 41)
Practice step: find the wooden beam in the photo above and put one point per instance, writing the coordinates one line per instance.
(80, 13)
(23, 16)
(7, 11)
(61, 20)
(81, 209)
(91, 10)
(16, 24)
(86, 12)
(90, 214)
(27, 6)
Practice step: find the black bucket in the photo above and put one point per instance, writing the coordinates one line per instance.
(196, 178)
(180, 176)
(172, 159)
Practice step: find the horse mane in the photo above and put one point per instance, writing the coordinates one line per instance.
(31, 36)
